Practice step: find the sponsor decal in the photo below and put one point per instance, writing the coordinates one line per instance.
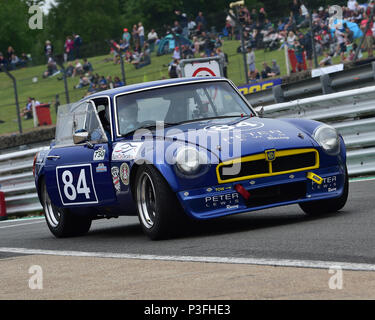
(99, 154)
(101, 168)
(222, 200)
(260, 86)
(126, 151)
(328, 184)
(249, 124)
(115, 178)
(232, 207)
(124, 173)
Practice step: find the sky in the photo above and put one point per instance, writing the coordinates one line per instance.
(47, 5)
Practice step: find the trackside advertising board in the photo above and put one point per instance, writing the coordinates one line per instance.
(259, 86)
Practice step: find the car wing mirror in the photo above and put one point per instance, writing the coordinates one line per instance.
(80, 137)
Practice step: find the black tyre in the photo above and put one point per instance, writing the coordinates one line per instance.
(320, 207)
(61, 222)
(159, 211)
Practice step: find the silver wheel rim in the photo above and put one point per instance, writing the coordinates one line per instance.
(52, 215)
(146, 200)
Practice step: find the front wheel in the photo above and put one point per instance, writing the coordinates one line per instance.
(60, 221)
(320, 207)
(159, 211)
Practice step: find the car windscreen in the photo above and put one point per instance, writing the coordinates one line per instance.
(176, 104)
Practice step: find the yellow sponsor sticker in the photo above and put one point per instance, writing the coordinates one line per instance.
(314, 177)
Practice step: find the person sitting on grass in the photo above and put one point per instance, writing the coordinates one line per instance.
(87, 66)
(78, 69)
(51, 68)
(27, 112)
(118, 83)
(83, 82)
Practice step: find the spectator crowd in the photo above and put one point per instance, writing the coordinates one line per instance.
(334, 29)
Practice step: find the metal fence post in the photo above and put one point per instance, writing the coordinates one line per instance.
(325, 81)
(15, 96)
(278, 93)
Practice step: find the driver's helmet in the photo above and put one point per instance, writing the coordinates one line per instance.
(128, 116)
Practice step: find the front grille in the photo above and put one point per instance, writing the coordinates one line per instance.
(257, 166)
(293, 162)
(275, 194)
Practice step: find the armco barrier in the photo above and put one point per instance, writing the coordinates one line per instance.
(351, 112)
(17, 181)
(355, 77)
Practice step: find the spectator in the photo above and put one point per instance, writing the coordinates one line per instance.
(15, 61)
(152, 37)
(369, 40)
(3, 61)
(176, 54)
(118, 83)
(51, 68)
(83, 82)
(77, 46)
(78, 68)
(126, 36)
(10, 53)
(135, 35)
(341, 47)
(250, 60)
(141, 33)
(183, 22)
(266, 72)
(48, 49)
(27, 112)
(69, 70)
(172, 69)
(326, 61)
(87, 66)
(224, 61)
(275, 69)
(68, 49)
(201, 20)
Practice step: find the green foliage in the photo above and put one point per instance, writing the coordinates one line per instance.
(14, 27)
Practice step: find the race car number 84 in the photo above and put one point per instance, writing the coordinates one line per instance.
(75, 185)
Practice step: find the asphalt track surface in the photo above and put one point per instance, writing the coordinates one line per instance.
(278, 233)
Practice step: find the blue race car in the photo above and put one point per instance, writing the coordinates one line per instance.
(175, 150)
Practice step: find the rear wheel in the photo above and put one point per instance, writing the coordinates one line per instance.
(61, 222)
(159, 211)
(320, 207)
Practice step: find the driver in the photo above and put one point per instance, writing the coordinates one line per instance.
(128, 116)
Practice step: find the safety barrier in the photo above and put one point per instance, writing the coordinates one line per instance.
(351, 112)
(17, 182)
(356, 77)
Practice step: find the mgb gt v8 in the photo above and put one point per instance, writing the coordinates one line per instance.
(182, 149)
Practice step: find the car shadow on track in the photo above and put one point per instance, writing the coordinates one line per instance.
(225, 225)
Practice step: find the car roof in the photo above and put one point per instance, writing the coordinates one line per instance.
(149, 85)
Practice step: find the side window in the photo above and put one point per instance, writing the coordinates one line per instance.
(85, 118)
(93, 125)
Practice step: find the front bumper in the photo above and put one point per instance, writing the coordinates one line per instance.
(223, 199)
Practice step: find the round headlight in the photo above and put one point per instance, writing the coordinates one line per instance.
(328, 138)
(189, 160)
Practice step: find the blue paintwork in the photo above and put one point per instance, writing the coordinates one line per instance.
(192, 193)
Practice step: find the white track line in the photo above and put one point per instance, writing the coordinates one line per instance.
(249, 261)
(21, 219)
(20, 224)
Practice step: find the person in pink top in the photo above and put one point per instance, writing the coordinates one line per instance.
(369, 39)
(68, 49)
